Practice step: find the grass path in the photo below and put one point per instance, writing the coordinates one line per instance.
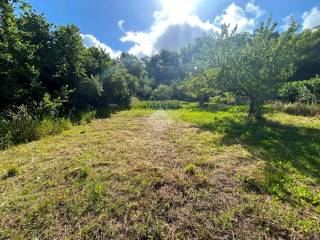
(141, 174)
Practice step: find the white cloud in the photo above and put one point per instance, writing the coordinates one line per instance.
(254, 9)
(244, 19)
(120, 25)
(311, 18)
(91, 41)
(174, 26)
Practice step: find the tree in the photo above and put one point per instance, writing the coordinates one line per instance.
(139, 83)
(16, 72)
(96, 61)
(35, 33)
(204, 85)
(68, 68)
(254, 65)
(133, 65)
(115, 87)
(164, 67)
(308, 48)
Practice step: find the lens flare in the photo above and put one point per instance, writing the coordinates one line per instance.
(178, 9)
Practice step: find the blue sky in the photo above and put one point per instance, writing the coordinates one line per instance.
(142, 27)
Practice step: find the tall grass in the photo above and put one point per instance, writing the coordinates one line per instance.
(85, 117)
(22, 126)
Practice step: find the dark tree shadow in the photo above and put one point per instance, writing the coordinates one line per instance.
(274, 142)
(280, 145)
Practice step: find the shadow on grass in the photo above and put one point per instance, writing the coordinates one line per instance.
(287, 149)
(274, 142)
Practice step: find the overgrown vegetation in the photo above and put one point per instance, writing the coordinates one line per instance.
(169, 104)
(298, 108)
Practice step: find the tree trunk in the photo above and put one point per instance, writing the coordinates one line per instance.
(251, 107)
(255, 109)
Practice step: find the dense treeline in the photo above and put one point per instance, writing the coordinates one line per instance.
(48, 76)
(47, 73)
(38, 58)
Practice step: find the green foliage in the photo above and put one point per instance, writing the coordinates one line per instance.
(162, 92)
(226, 98)
(252, 65)
(307, 91)
(115, 84)
(308, 48)
(42, 62)
(23, 125)
(171, 104)
(51, 126)
(86, 117)
(17, 76)
(164, 67)
(203, 86)
(298, 108)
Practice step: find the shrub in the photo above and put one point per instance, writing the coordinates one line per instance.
(307, 91)
(224, 99)
(162, 92)
(86, 117)
(203, 86)
(5, 135)
(170, 104)
(21, 125)
(297, 108)
(52, 126)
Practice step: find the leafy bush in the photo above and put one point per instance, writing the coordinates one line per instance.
(22, 125)
(307, 91)
(52, 126)
(162, 92)
(297, 108)
(115, 84)
(224, 99)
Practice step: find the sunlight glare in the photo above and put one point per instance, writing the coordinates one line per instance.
(178, 9)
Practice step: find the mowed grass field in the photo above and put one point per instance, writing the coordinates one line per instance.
(166, 174)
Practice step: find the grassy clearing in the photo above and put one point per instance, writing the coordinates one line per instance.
(175, 174)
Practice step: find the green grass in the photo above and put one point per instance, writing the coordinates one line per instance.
(174, 174)
(290, 147)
